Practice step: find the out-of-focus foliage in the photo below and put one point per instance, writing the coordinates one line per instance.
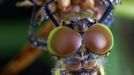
(121, 58)
(126, 9)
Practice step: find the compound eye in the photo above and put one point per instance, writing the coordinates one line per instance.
(63, 41)
(98, 39)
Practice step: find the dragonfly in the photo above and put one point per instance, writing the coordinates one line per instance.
(80, 39)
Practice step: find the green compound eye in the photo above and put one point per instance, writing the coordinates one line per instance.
(98, 39)
(63, 41)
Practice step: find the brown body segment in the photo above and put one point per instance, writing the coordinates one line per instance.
(22, 60)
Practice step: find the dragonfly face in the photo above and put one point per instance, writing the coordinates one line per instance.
(80, 40)
(80, 53)
(81, 37)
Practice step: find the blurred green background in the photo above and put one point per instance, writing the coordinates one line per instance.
(14, 24)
